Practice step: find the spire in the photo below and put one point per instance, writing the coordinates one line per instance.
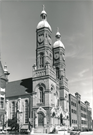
(43, 13)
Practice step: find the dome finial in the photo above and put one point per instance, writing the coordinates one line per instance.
(5, 69)
(43, 13)
(58, 35)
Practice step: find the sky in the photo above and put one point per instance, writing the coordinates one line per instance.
(18, 22)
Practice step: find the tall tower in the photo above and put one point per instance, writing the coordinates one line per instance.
(59, 63)
(44, 77)
(43, 42)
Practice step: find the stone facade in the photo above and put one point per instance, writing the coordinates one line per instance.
(50, 85)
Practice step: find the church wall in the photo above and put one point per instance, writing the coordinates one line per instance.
(19, 109)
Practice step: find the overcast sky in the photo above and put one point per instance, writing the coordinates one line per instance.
(18, 22)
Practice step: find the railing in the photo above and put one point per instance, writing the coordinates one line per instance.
(46, 71)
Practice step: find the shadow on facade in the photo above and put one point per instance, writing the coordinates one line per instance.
(27, 83)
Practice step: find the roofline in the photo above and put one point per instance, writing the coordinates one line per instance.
(19, 79)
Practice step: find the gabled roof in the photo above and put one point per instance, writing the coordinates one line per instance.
(19, 87)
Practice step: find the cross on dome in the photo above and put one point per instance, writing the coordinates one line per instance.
(43, 13)
(43, 7)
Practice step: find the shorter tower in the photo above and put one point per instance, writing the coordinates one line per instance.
(59, 63)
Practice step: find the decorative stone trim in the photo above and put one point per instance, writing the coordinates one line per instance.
(40, 109)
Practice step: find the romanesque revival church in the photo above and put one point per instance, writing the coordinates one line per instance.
(44, 99)
(50, 85)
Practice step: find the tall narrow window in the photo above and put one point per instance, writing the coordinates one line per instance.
(41, 60)
(13, 110)
(57, 72)
(1, 102)
(41, 94)
(26, 111)
(61, 119)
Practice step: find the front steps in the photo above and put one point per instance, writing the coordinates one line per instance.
(39, 130)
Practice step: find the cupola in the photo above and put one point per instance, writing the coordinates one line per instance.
(43, 23)
(58, 42)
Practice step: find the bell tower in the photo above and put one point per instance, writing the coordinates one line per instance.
(59, 56)
(59, 63)
(43, 42)
(44, 77)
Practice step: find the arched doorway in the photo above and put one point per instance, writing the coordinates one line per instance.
(40, 119)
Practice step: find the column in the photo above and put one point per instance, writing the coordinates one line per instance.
(45, 122)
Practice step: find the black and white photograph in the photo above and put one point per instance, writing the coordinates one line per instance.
(46, 67)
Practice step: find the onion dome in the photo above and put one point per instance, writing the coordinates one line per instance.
(43, 22)
(58, 42)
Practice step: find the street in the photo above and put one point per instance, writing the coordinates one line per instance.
(82, 133)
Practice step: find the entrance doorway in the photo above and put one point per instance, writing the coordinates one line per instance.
(40, 119)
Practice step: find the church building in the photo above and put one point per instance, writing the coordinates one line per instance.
(44, 99)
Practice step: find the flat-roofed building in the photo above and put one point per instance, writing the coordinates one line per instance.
(89, 115)
(73, 111)
(80, 114)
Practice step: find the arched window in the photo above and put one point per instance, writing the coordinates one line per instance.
(57, 72)
(41, 59)
(41, 94)
(26, 111)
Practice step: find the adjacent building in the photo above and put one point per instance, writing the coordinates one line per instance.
(80, 113)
